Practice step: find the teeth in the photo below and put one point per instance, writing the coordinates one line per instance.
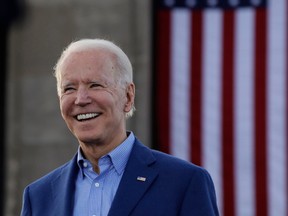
(86, 116)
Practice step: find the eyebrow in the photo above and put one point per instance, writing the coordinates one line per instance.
(64, 85)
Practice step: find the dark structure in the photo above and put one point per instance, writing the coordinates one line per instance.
(10, 10)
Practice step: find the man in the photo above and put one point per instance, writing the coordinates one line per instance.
(112, 173)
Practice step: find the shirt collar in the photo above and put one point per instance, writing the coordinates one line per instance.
(121, 153)
(119, 156)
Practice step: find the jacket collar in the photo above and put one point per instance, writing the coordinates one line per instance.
(63, 188)
(137, 178)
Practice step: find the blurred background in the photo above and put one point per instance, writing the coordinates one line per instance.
(33, 34)
(211, 88)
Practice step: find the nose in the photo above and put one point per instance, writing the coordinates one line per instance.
(82, 97)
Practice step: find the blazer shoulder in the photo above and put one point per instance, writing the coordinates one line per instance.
(176, 165)
(166, 162)
(52, 176)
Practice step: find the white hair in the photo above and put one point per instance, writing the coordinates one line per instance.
(122, 62)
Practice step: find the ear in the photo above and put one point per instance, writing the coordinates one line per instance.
(130, 96)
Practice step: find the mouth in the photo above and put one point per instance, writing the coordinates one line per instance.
(86, 116)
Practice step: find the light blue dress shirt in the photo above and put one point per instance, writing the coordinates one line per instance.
(94, 192)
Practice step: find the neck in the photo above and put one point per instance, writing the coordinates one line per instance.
(93, 152)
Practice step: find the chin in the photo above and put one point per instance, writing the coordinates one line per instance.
(88, 140)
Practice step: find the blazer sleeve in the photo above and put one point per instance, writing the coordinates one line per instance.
(200, 197)
(26, 205)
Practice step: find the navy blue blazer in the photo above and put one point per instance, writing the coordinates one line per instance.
(172, 187)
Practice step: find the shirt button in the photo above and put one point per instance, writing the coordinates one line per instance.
(85, 164)
(97, 184)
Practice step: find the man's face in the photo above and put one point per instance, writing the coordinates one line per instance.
(92, 104)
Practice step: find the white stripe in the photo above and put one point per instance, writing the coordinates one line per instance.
(179, 83)
(211, 133)
(244, 107)
(277, 170)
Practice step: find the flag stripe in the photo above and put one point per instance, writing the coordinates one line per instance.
(276, 108)
(244, 125)
(211, 133)
(180, 76)
(227, 112)
(163, 80)
(196, 87)
(260, 113)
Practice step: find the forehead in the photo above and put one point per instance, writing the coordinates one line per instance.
(88, 63)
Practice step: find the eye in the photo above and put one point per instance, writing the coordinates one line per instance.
(96, 86)
(68, 89)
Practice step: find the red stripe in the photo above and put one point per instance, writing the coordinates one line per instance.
(196, 86)
(162, 79)
(260, 112)
(227, 113)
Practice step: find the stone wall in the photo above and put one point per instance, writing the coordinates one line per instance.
(37, 138)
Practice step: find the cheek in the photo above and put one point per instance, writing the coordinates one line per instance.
(64, 106)
(109, 99)
(118, 102)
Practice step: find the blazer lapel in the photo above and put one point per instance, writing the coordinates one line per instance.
(63, 189)
(137, 178)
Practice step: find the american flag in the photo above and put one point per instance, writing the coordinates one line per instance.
(221, 96)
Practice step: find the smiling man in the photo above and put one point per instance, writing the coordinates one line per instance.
(112, 173)
(94, 98)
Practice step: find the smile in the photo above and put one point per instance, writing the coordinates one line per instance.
(87, 116)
